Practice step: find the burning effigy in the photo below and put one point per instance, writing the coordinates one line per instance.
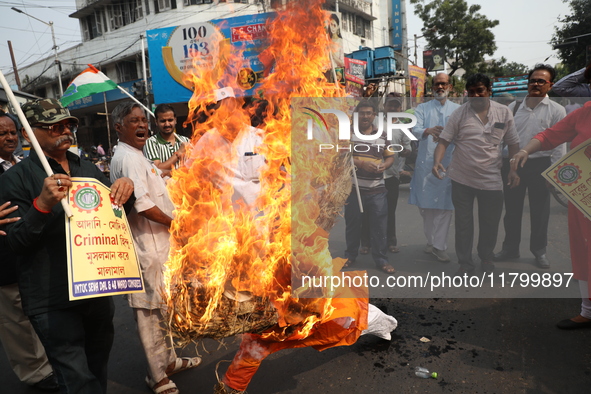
(247, 226)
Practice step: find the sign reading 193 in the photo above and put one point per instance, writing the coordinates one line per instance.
(195, 44)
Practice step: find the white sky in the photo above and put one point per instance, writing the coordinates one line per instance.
(522, 35)
(525, 28)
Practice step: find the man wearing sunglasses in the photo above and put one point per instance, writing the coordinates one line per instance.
(533, 115)
(77, 335)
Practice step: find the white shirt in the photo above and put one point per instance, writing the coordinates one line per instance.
(7, 164)
(530, 122)
(476, 161)
(151, 239)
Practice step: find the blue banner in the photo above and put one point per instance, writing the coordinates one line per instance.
(176, 49)
(396, 25)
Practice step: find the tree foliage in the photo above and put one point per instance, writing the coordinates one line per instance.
(500, 68)
(460, 30)
(561, 71)
(573, 25)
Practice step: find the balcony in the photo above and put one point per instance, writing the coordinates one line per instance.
(359, 7)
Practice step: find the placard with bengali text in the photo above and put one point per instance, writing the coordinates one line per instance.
(572, 175)
(101, 254)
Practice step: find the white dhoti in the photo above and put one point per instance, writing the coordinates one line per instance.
(436, 224)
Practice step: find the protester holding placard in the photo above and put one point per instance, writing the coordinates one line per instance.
(149, 221)
(576, 129)
(77, 335)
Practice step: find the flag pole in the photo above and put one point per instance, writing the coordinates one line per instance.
(108, 123)
(34, 142)
(136, 100)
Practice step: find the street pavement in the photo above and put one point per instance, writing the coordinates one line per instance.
(476, 345)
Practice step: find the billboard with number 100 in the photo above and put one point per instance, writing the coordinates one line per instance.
(175, 50)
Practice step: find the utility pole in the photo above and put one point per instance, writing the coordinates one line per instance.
(58, 66)
(16, 77)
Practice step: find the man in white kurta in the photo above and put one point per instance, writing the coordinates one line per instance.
(431, 195)
(149, 221)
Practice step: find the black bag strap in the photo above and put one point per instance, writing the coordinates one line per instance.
(517, 104)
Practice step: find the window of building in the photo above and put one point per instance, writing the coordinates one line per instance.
(347, 21)
(115, 16)
(41, 92)
(137, 9)
(127, 71)
(276, 4)
(361, 27)
(92, 25)
(164, 5)
(195, 2)
(123, 13)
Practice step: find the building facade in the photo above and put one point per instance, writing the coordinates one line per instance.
(113, 40)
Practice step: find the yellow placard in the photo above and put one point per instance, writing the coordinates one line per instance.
(101, 254)
(572, 175)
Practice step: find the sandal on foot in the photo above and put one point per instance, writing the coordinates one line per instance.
(168, 388)
(184, 363)
(349, 263)
(364, 250)
(393, 249)
(222, 388)
(387, 268)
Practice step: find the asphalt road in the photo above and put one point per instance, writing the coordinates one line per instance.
(477, 345)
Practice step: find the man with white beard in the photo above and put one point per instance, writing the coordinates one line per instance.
(430, 195)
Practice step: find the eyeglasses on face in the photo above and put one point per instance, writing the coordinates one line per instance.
(540, 82)
(58, 128)
(443, 84)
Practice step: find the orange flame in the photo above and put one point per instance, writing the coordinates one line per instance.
(220, 245)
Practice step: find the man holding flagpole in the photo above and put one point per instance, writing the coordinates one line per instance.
(77, 335)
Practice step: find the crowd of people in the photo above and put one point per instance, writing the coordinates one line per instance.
(480, 150)
(492, 151)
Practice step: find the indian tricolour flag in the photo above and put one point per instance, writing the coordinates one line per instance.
(90, 81)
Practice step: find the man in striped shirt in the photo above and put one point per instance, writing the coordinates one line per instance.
(166, 148)
(371, 158)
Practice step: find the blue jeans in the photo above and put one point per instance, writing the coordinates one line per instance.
(78, 341)
(375, 206)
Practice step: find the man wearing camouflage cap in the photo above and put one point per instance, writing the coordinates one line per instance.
(77, 335)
